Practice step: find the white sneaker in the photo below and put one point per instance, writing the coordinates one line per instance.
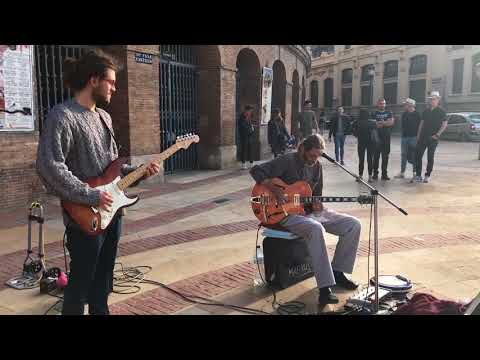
(244, 166)
(400, 176)
(426, 179)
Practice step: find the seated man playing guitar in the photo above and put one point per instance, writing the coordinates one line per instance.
(304, 165)
(78, 143)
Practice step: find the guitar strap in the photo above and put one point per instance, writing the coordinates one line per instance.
(111, 132)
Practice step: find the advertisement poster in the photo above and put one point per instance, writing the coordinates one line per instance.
(16, 88)
(267, 81)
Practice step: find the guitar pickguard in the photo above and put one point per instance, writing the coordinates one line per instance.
(120, 200)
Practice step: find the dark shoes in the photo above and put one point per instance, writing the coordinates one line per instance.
(326, 296)
(385, 177)
(375, 177)
(343, 282)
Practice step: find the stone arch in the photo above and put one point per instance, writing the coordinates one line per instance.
(279, 87)
(210, 125)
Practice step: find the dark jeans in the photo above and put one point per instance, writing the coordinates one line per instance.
(246, 154)
(383, 149)
(423, 144)
(365, 146)
(92, 259)
(339, 146)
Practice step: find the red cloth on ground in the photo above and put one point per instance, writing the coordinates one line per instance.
(426, 304)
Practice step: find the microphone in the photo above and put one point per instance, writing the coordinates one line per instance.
(328, 158)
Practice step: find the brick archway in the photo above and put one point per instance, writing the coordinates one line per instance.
(248, 81)
(209, 104)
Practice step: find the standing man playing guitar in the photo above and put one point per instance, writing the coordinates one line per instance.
(77, 143)
(304, 165)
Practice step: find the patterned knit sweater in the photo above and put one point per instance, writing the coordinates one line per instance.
(75, 145)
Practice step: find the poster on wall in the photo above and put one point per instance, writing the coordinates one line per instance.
(16, 88)
(267, 81)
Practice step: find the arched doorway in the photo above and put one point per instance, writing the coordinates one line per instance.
(295, 98)
(248, 81)
(279, 90)
(209, 106)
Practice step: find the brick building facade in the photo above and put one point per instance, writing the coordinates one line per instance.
(181, 89)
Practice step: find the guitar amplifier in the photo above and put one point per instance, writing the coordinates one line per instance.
(287, 261)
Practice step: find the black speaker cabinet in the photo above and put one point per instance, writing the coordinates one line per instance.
(287, 261)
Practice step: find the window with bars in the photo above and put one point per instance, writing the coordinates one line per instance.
(365, 72)
(475, 88)
(347, 76)
(328, 92)
(347, 96)
(457, 83)
(390, 69)
(418, 90)
(49, 75)
(390, 93)
(418, 65)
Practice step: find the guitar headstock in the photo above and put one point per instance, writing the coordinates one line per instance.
(185, 141)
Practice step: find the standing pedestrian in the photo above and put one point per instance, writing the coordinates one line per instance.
(433, 124)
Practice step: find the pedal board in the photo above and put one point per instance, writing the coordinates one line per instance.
(365, 299)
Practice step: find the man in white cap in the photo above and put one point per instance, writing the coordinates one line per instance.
(434, 122)
(410, 123)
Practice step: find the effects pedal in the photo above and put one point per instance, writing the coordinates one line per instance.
(364, 300)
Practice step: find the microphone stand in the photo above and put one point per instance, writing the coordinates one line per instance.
(374, 193)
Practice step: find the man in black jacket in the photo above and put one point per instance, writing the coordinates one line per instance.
(339, 126)
(385, 122)
(433, 124)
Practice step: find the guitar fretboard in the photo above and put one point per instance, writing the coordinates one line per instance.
(140, 172)
(326, 199)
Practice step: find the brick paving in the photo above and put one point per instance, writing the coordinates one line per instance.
(221, 281)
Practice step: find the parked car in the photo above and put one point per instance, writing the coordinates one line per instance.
(463, 126)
